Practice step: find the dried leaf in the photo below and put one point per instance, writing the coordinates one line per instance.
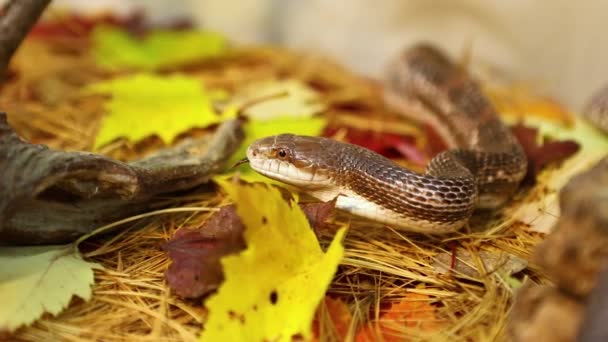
(272, 288)
(541, 208)
(541, 155)
(493, 261)
(117, 49)
(299, 100)
(142, 105)
(413, 311)
(339, 318)
(317, 213)
(196, 270)
(516, 102)
(35, 280)
(389, 145)
(50, 64)
(74, 25)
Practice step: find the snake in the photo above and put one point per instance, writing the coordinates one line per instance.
(481, 168)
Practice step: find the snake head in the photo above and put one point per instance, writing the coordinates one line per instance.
(290, 159)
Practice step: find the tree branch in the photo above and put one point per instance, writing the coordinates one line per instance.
(18, 19)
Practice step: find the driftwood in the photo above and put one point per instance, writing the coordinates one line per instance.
(594, 327)
(49, 196)
(18, 19)
(574, 257)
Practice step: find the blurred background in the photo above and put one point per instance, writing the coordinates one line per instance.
(556, 46)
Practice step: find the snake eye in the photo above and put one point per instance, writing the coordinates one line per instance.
(282, 153)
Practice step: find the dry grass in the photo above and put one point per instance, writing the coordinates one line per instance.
(131, 299)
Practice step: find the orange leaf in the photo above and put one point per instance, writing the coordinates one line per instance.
(339, 315)
(412, 311)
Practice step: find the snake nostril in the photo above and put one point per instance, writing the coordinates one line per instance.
(254, 152)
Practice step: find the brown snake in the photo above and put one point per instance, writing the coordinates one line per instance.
(482, 168)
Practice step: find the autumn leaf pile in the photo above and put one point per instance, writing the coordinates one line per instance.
(256, 261)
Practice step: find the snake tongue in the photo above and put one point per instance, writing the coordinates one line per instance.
(242, 161)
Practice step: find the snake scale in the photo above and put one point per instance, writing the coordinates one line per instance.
(481, 169)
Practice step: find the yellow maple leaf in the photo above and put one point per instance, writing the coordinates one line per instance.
(144, 104)
(272, 288)
(35, 280)
(115, 49)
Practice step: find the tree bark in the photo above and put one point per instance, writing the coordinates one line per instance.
(18, 19)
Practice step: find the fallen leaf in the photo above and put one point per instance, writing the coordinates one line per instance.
(51, 65)
(195, 253)
(144, 104)
(117, 49)
(540, 209)
(336, 313)
(299, 100)
(414, 310)
(35, 280)
(390, 145)
(73, 25)
(517, 102)
(539, 156)
(318, 213)
(273, 287)
(469, 265)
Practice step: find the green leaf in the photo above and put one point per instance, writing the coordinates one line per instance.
(145, 104)
(117, 49)
(271, 290)
(35, 280)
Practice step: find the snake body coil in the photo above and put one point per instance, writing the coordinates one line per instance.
(482, 168)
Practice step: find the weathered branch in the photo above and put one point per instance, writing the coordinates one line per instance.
(18, 19)
(49, 196)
